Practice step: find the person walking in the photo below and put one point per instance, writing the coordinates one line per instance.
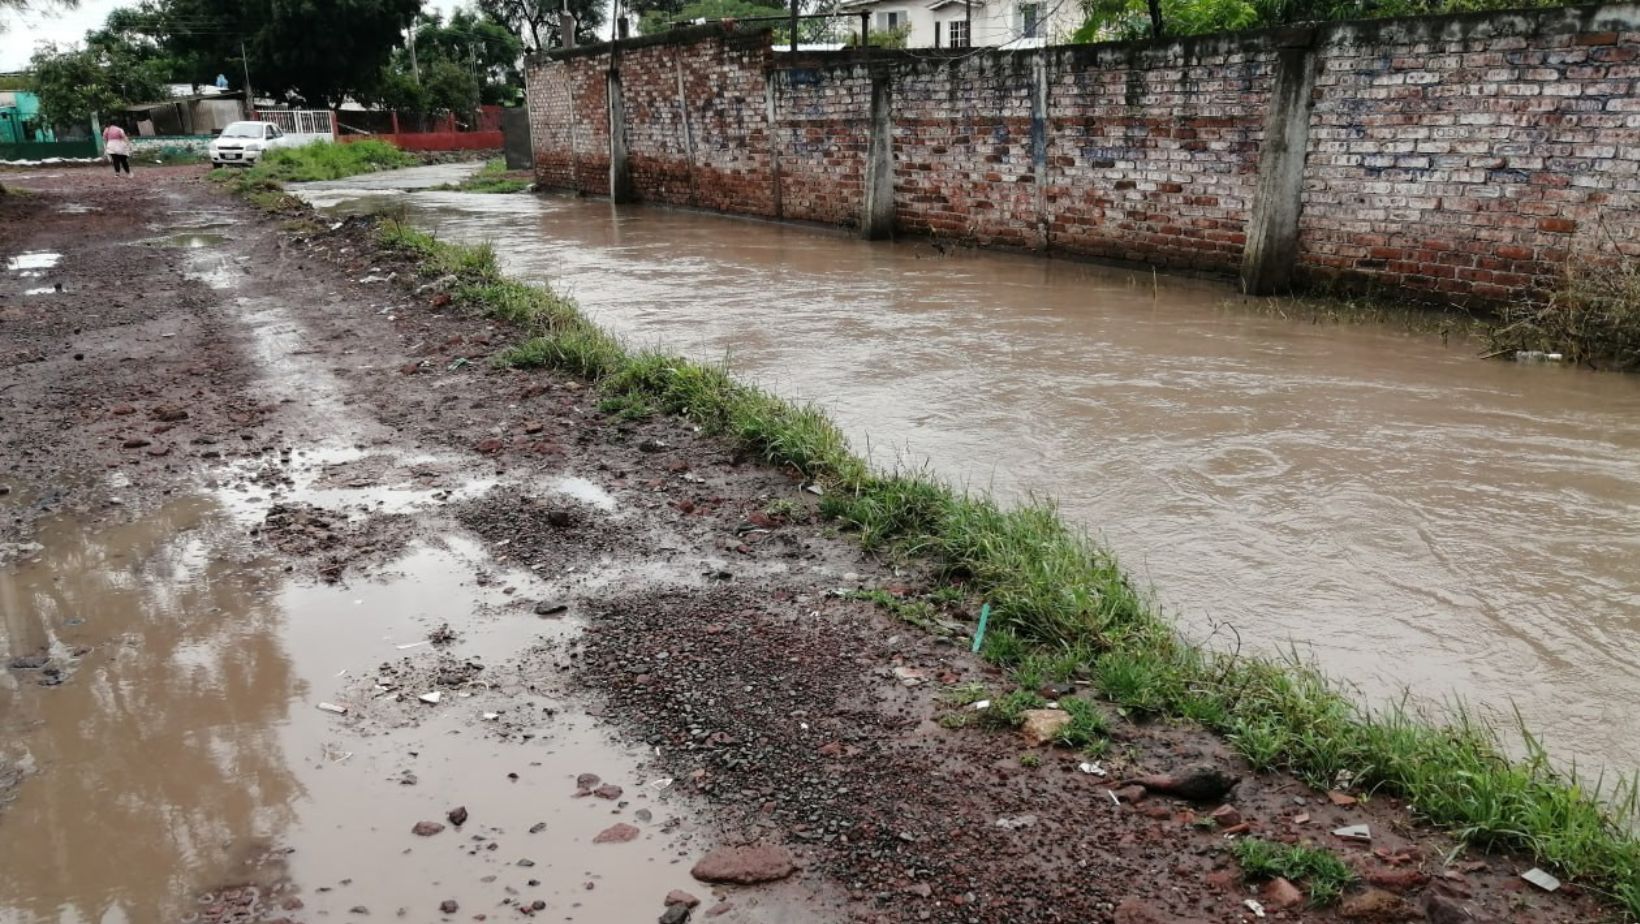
(119, 149)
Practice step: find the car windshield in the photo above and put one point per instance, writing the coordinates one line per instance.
(243, 130)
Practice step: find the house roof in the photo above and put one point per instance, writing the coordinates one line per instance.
(941, 4)
(158, 104)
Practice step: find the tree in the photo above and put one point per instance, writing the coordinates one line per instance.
(77, 84)
(535, 22)
(320, 51)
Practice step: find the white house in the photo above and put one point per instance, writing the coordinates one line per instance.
(973, 23)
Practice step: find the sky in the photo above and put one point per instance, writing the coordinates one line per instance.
(26, 30)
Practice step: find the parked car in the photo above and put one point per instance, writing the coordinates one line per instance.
(241, 143)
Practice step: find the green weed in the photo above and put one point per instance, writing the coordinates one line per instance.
(627, 407)
(1323, 875)
(1008, 710)
(328, 161)
(965, 694)
(491, 178)
(1030, 760)
(784, 509)
(1089, 729)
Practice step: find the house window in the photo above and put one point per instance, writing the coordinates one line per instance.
(959, 33)
(1029, 19)
(891, 20)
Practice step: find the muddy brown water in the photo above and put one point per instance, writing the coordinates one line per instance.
(1407, 514)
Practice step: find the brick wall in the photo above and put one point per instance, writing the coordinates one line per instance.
(1471, 155)
(1463, 155)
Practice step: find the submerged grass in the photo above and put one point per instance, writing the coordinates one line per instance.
(323, 160)
(1592, 317)
(1062, 602)
(491, 178)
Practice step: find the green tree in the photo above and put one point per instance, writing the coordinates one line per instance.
(76, 84)
(320, 51)
(535, 22)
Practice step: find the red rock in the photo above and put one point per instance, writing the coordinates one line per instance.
(410, 368)
(489, 446)
(616, 834)
(442, 300)
(1139, 911)
(680, 897)
(426, 828)
(1397, 880)
(745, 865)
(533, 426)
(135, 442)
(457, 815)
(121, 410)
(608, 791)
(831, 749)
(685, 506)
(1226, 816)
(1280, 894)
(1340, 798)
(449, 906)
(718, 909)
(1374, 905)
(1129, 793)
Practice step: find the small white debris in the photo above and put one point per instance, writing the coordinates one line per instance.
(661, 783)
(1092, 767)
(909, 676)
(336, 225)
(491, 716)
(1015, 822)
(412, 645)
(1114, 800)
(1541, 879)
(814, 489)
(333, 708)
(1255, 907)
(432, 697)
(981, 705)
(1353, 833)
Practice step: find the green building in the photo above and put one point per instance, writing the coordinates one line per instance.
(20, 118)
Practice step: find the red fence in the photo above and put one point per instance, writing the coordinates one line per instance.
(420, 133)
(434, 141)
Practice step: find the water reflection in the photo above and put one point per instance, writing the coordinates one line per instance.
(159, 760)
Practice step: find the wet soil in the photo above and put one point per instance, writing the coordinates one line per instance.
(292, 570)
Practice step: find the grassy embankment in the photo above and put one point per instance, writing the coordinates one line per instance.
(1063, 608)
(263, 183)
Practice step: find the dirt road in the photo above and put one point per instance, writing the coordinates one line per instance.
(311, 613)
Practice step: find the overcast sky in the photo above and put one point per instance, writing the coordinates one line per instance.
(25, 31)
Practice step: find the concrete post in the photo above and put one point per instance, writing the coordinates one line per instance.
(1272, 231)
(877, 211)
(1039, 140)
(620, 176)
(771, 112)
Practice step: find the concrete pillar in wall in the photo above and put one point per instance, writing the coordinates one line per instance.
(1272, 230)
(771, 110)
(620, 176)
(877, 208)
(1039, 140)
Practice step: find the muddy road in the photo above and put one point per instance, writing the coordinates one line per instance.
(311, 614)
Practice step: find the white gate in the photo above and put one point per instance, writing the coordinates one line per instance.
(302, 125)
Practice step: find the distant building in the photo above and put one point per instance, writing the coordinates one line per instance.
(20, 120)
(199, 114)
(972, 23)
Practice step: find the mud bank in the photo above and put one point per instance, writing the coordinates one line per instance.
(284, 475)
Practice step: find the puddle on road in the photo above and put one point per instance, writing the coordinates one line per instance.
(43, 290)
(33, 263)
(192, 240)
(587, 492)
(185, 748)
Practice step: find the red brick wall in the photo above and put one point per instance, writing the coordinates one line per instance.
(1461, 155)
(1469, 156)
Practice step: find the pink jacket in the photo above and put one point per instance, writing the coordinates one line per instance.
(115, 142)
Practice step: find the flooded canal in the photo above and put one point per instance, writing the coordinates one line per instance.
(1407, 514)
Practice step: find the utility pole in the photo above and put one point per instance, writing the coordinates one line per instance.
(968, 21)
(414, 68)
(250, 97)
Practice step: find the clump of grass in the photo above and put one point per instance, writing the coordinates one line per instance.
(1030, 760)
(491, 178)
(965, 694)
(1592, 317)
(1089, 729)
(1444, 321)
(1053, 590)
(1008, 710)
(326, 160)
(784, 509)
(1323, 875)
(627, 407)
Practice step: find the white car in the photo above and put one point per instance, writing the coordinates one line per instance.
(243, 142)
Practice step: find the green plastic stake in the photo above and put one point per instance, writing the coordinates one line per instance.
(979, 634)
